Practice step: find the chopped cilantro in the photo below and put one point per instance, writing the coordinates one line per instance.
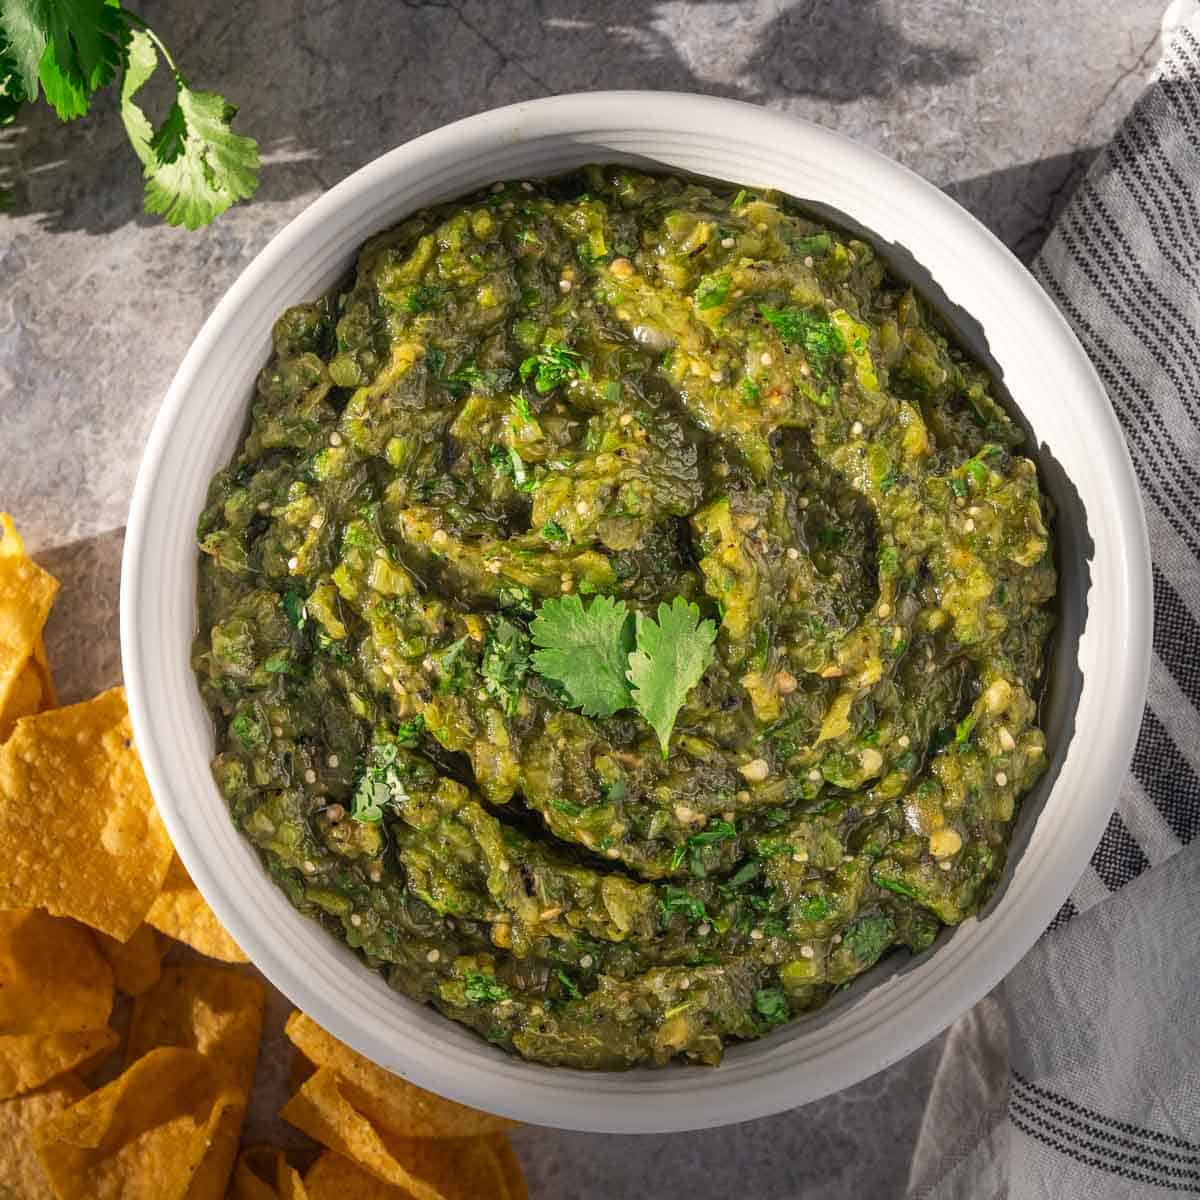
(453, 667)
(408, 733)
(712, 291)
(772, 1005)
(422, 298)
(568, 984)
(816, 333)
(554, 364)
(552, 531)
(247, 731)
(890, 884)
(718, 831)
(818, 243)
(677, 900)
(813, 908)
(293, 607)
(566, 807)
(869, 937)
(484, 989)
(505, 662)
(381, 784)
(750, 390)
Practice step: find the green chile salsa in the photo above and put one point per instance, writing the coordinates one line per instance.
(571, 471)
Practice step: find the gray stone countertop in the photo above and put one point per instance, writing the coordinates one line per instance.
(1001, 104)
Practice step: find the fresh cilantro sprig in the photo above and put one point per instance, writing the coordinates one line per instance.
(672, 654)
(194, 165)
(586, 650)
(605, 665)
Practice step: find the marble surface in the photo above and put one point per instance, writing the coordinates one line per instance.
(1000, 104)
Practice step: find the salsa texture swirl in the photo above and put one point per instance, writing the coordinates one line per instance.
(624, 617)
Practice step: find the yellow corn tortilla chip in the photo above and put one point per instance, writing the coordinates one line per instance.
(42, 666)
(52, 976)
(137, 963)
(24, 698)
(11, 542)
(262, 1173)
(428, 1169)
(56, 993)
(390, 1102)
(79, 833)
(21, 1175)
(335, 1177)
(213, 1010)
(154, 1133)
(28, 1060)
(181, 912)
(26, 595)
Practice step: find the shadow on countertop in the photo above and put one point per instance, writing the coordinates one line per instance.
(326, 87)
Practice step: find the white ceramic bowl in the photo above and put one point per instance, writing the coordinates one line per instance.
(1102, 650)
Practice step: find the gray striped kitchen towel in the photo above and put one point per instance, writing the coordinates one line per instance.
(1079, 1078)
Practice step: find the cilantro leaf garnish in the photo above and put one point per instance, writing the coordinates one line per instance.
(672, 654)
(484, 989)
(552, 365)
(505, 662)
(820, 338)
(194, 164)
(586, 650)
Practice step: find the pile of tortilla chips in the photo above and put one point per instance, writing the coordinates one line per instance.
(89, 886)
(386, 1139)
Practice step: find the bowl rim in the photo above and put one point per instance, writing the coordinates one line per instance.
(658, 1101)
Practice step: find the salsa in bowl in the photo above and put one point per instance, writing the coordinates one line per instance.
(624, 617)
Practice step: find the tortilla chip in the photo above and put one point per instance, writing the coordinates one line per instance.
(213, 1010)
(52, 976)
(262, 1173)
(79, 833)
(154, 1133)
(11, 542)
(42, 663)
(390, 1102)
(56, 993)
(29, 1060)
(429, 1169)
(26, 595)
(137, 963)
(24, 698)
(181, 912)
(21, 1175)
(335, 1177)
